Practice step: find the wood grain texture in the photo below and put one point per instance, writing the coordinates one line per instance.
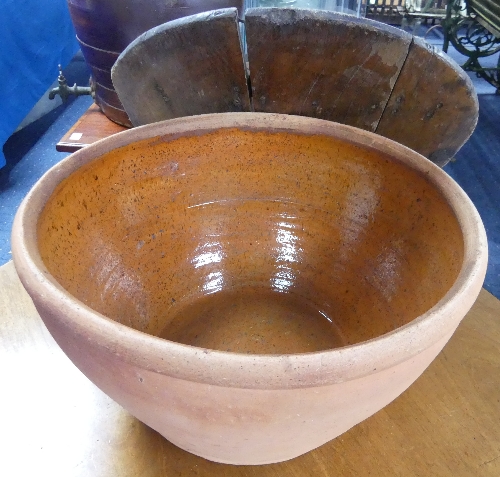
(185, 67)
(323, 64)
(93, 125)
(433, 108)
(55, 422)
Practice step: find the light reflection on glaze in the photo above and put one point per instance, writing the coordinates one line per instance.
(116, 281)
(283, 280)
(207, 253)
(326, 316)
(203, 204)
(360, 205)
(335, 325)
(214, 282)
(287, 252)
(386, 276)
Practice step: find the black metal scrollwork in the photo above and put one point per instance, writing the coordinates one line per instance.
(472, 39)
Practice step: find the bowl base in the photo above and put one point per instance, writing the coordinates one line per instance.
(254, 320)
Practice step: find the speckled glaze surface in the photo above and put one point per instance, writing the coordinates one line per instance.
(250, 285)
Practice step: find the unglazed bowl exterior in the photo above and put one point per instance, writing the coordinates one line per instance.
(250, 285)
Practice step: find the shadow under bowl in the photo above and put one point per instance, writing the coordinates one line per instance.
(221, 275)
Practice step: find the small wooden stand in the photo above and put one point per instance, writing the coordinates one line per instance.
(91, 127)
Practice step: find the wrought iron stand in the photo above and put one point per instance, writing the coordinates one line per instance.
(472, 36)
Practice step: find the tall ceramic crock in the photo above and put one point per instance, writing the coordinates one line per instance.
(234, 407)
(104, 28)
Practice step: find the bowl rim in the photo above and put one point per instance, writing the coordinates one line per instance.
(261, 371)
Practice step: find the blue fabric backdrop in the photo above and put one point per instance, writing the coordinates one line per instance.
(35, 36)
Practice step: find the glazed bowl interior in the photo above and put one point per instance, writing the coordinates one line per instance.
(252, 241)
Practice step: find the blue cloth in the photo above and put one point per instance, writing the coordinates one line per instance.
(35, 36)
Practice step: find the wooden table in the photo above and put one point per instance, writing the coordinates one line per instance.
(54, 422)
(92, 126)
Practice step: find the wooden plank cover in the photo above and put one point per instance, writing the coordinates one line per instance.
(433, 108)
(323, 64)
(55, 422)
(185, 67)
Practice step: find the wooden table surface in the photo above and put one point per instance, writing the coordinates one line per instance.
(54, 422)
(92, 126)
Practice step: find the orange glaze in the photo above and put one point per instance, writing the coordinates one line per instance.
(252, 241)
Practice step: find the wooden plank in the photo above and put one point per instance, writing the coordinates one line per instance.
(91, 127)
(323, 64)
(445, 424)
(433, 108)
(185, 67)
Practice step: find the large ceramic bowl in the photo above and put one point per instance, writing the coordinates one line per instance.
(249, 285)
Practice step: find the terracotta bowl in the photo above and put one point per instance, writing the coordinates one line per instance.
(250, 285)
